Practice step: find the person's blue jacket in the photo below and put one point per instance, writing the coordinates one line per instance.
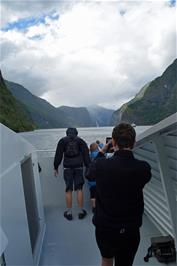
(93, 156)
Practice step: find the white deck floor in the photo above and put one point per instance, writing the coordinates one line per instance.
(73, 242)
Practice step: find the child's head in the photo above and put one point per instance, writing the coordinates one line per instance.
(93, 146)
(124, 136)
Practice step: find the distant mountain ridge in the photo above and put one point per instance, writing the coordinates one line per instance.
(45, 115)
(154, 102)
(100, 116)
(77, 116)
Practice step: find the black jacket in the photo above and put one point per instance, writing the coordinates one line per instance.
(119, 184)
(78, 161)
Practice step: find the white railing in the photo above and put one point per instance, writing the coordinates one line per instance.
(158, 146)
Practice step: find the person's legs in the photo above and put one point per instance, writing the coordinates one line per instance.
(80, 198)
(78, 184)
(128, 248)
(68, 177)
(68, 212)
(80, 201)
(93, 197)
(125, 258)
(118, 244)
(107, 262)
(104, 243)
(93, 202)
(68, 196)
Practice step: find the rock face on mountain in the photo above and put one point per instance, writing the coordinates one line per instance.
(155, 101)
(12, 113)
(76, 116)
(100, 116)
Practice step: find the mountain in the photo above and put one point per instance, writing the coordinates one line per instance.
(42, 113)
(12, 113)
(154, 102)
(76, 116)
(45, 115)
(100, 116)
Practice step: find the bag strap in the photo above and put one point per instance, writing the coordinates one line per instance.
(149, 254)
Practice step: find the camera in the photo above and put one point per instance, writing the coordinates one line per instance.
(110, 146)
(108, 139)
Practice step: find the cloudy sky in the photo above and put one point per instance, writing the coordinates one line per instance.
(79, 53)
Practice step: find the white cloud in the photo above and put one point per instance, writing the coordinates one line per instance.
(96, 53)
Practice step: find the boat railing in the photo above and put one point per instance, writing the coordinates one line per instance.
(158, 146)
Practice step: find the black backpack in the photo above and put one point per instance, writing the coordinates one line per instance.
(163, 248)
(72, 148)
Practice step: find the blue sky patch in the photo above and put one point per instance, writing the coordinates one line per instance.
(24, 23)
(173, 2)
(54, 16)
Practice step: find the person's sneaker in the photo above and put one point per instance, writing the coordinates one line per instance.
(82, 214)
(68, 216)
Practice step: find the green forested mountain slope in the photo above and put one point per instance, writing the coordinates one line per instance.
(46, 115)
(43, 113)
(12, 113)
(155, 101)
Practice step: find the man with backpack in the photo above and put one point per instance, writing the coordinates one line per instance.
(76, 155)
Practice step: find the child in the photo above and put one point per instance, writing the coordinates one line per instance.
(94, 150)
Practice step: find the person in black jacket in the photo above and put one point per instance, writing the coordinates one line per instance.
(119, 198)
(76, 154)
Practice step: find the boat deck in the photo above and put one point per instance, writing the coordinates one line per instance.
(25, 196)
(73, 242)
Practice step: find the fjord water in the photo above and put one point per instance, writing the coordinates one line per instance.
(47, 139)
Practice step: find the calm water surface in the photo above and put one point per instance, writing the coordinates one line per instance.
(47, 139)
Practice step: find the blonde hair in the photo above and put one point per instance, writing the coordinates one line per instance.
(93, 146)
